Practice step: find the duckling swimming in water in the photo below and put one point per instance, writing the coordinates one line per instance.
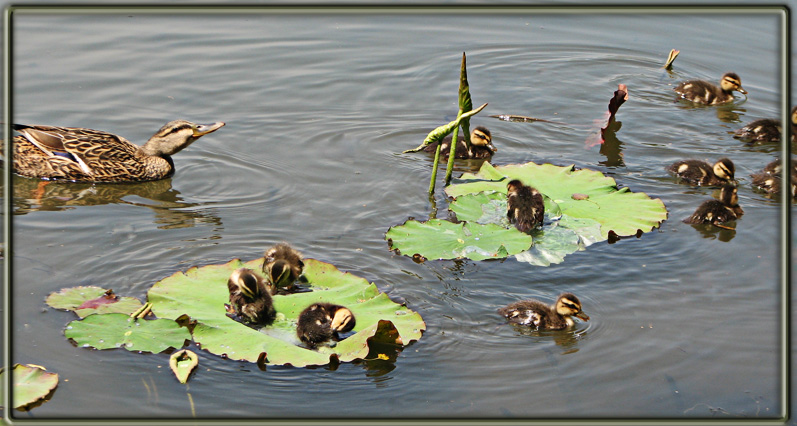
(282, 266)
(698, 172)
(537, 314)
(766, 130)
(250, 297)
(524, 206)
(703, 92)
(719, 211)
(321, 322)
(771, 178)
(481, 145)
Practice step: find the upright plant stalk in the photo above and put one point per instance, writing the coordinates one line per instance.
(465, 106)
(452, 151)
(434, 168)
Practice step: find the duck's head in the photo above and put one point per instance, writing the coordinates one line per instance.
(728, 196)
(247, 281)
(568, 305)
(279, 273)
(176, 135)
(730, 82)
(794, 116)
(480, 136)
(513, 186)
(342, 320)
(724, 169)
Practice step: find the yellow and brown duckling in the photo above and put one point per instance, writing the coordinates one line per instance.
(250, 297)
(321, 322)
(766, 130)
(283, 265)
(771, 178)
(698, 172)
(706, 93)
(481, 145)
(86, 155)
(717, 212)
(524, 206)
(534, 313)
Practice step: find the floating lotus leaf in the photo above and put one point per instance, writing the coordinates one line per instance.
(31, 384)
(89, 300)
(200, 293)
(182, 363)
(441, 239)
(108, 331)
(583, 194)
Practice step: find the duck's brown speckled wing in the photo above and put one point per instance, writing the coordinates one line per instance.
(526, 312)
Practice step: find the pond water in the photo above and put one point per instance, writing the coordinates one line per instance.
(685, 322)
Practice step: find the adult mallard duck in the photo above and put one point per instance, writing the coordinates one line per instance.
(321, 322)
(766, 130)
(698, 172)
(771, 178)
(717, 212)
(703, 92)
(481, 145)
(250, 297)
(537, 314)
(524, 206)
(283, 265)
(86, 155)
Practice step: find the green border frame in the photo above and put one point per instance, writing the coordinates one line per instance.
(786, 73)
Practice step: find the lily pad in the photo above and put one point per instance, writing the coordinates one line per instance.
(200, 294)
(31, 384)
(582, 194)
(108, 331)
(441, 239)
(182, 363)
(87, 300)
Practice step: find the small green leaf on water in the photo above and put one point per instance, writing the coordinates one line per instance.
(89, 300)
(108, 331)
(182, 363)
(31, 384)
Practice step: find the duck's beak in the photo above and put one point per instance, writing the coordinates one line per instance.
(741, 90)
(204, 129)
(583, 316)
(492, 148)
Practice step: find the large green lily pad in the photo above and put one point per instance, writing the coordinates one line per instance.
(87, 300)
(441, 239)
(31, 384)
(200, 293)
(108, 331)
(581, 194)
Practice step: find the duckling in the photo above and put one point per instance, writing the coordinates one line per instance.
(524, 206)
(771, 178)
(86, 155)
(703, 92)
(543, 317)
(481, 145)
(321, 322)
(719, 211)
(250, 296)
(282, 266)
(698, 172)
(766, 130)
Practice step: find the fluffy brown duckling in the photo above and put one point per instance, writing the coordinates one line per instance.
(703, 92)
(771, 178)
(698, 172)
(717, 212)
(537, 314)
(481, 145)
(250, 297)
(321, 322)
(524, 206)
(282, 266)
(766, 130)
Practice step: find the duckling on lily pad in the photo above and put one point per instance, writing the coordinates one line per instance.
(282, 266)
(321, 322)
(86, 155)
(771, 178)
(537, 314)
(698, 172)
(705, 93)
(717, 212)
(250, 297)
(481, 145)
(524, 206)
(766, 130)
